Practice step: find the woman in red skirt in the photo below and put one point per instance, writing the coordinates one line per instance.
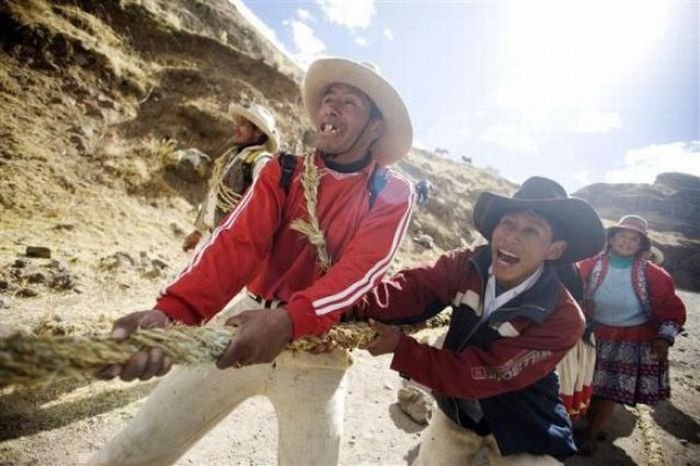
(636, 314)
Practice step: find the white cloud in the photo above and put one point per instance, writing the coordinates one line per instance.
(596, 122)
(353, 14)
(388, 34)
(304, 15)
(308, 47)
(582, 177)
(361, 41)
(643, 165)
(510, 137)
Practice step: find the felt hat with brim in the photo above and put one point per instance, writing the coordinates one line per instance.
(262, 119)
(398, 131)
(632, 223)
(580, 225)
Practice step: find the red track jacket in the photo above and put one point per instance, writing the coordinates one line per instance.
(255, 248)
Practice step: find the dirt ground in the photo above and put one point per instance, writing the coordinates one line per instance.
(64, 423)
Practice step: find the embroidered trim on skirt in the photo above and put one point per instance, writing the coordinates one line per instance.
(627, 370)
(575, 377)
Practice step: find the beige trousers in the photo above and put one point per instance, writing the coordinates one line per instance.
(307, 391)
(444, 443)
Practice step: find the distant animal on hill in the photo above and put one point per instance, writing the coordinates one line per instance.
(441, 151)
(466, 159)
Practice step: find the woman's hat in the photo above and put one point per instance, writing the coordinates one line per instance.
(634, 223)
(262, 119)
(398, 131)
(580, 224)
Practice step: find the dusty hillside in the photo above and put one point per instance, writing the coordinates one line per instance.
(95, 99)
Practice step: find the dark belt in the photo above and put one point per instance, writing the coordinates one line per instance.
(266, 303)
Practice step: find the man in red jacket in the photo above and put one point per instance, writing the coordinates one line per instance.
(363, 210)
(512, 321)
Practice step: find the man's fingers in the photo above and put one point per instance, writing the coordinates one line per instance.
(238, 319)
(372, 347)
(153, 366)
(126, 325)
(154, 319)
(235, 355)
(135, 367)
(109, 372)
(165, 367)
(378, 326)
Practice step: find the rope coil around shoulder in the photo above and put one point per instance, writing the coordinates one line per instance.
(311, 228)
(310, 180)
(226, 198)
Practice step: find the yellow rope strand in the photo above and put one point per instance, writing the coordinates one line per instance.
(226, 198)
(311, 228)
(28, 360)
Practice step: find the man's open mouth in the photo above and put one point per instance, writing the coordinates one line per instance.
(328, 128)
(507, 257)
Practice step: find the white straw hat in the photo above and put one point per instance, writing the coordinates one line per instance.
(262, 119)
(398, 131)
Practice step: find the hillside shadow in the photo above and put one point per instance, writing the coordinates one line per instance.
(676, 422)
(22, 414)
(607, 453)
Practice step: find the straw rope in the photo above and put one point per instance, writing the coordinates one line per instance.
(311, 228)
(226, 198)
(28, 360)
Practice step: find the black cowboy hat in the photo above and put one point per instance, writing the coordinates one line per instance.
(580, 224)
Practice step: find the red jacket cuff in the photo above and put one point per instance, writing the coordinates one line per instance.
(177, 310)
(407, 356)
(304, 318)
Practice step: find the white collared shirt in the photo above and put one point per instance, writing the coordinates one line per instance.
(493, 302)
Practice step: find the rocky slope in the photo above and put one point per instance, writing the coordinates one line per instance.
(96, 98)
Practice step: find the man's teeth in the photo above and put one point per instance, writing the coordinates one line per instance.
(508, 254)
(328, 128)
(507, 257)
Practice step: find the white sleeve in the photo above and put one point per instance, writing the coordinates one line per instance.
(260, 163)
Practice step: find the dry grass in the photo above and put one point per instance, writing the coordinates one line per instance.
(87, 31)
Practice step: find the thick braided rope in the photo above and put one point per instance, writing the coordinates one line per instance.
(311, 228)
(226, 198)
(27, 360)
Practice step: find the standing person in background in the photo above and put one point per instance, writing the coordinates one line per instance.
(423, 188)
(637, 314)
(255, 139)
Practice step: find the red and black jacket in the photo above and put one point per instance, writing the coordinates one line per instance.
(505, 364)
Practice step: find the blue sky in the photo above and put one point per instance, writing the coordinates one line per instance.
(582, 91)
